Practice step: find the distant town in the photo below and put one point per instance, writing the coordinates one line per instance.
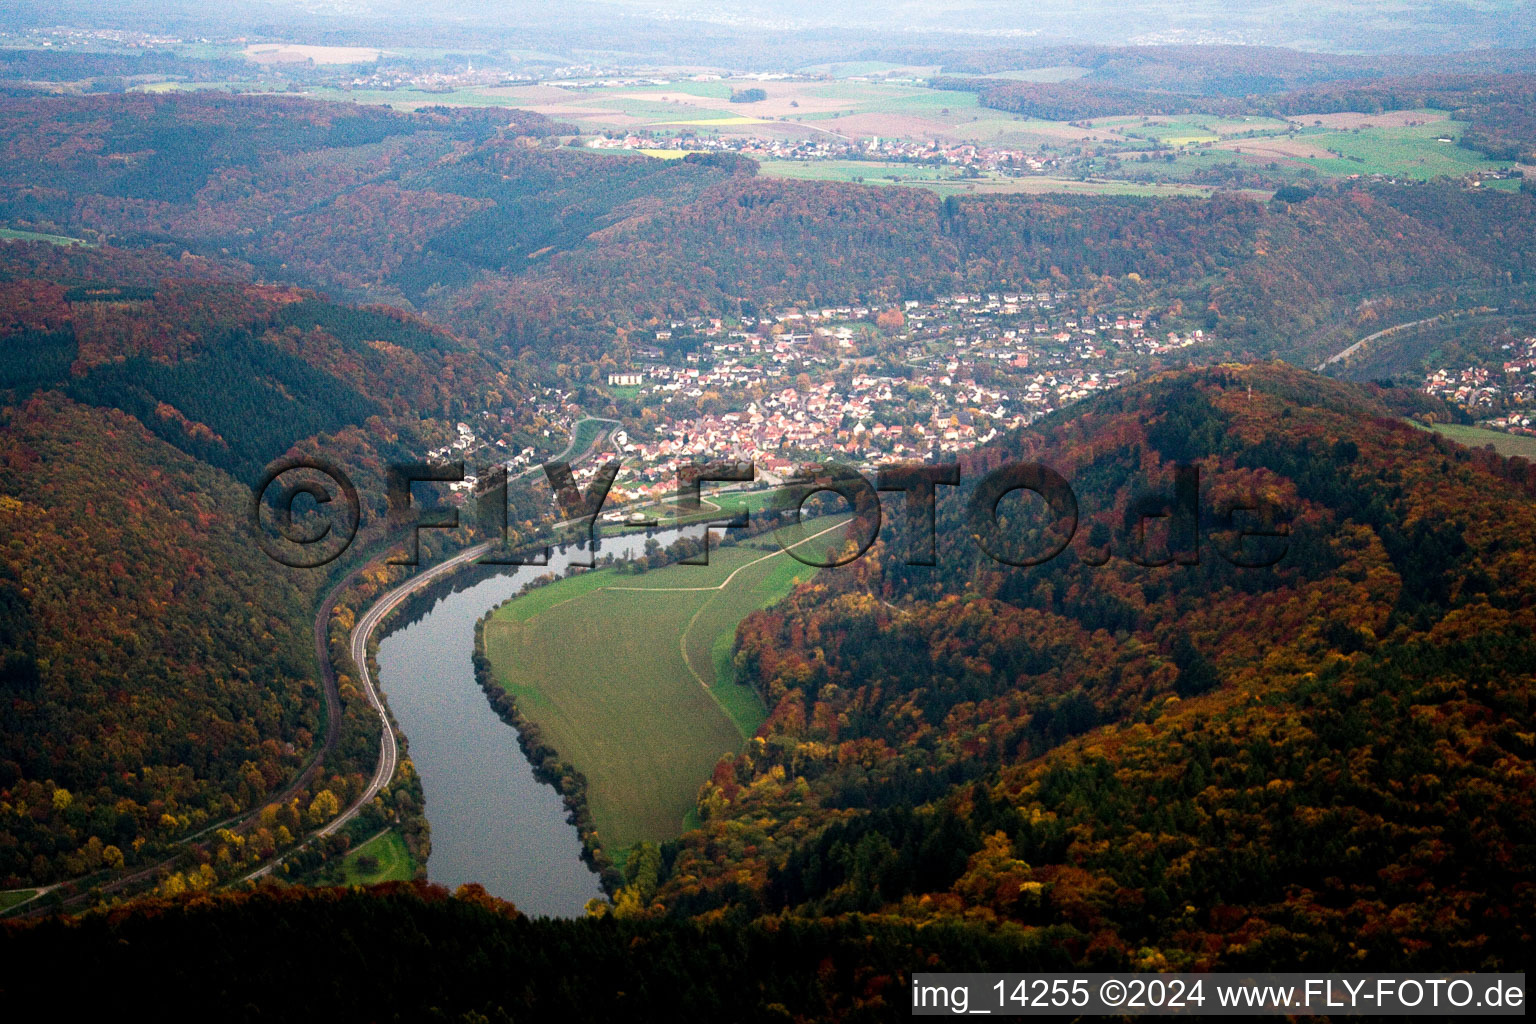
(1501, 392)
(833, 146)
(862, 385)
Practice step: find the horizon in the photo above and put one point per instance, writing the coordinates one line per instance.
(1338, 26)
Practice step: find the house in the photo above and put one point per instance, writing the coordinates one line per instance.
(625, 380)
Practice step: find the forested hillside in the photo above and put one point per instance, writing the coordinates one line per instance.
(1168, 746)
(159, 669)
(415, 953)
(1323, 761)
(536, 250)
(1236, 71)
(1091, 762)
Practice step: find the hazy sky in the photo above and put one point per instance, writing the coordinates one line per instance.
(1330, 25)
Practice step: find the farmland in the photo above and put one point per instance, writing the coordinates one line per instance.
(1415, 144)
(948, 181)
(627, 675)
(854, 110)
(1477, 437)
(1412, 151)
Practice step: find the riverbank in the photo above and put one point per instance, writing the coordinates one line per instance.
(619, 683)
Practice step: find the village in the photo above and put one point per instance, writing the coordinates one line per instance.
(1502, 393)
(866, 386)
(863, 386)
(831, 146)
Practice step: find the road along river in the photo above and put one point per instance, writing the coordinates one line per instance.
(492, 821)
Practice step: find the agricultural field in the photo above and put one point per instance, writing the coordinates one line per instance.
(1403, 143)
(251, 86)
(628, 676)
(841, 109)
(714, 505)
(412, 99)
(383, 858)
(948, 181)
(1503, 184)
(1189, 165)
(1478, 437)
(1188, 129)
(1413, 151)
(856, 68)
(13, 234)
(292, 53)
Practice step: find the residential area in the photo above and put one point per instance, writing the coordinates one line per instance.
(829, 145)
(1501, 391)
(923, 381)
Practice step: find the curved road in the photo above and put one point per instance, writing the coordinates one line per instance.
(1446, 317)
(1345, 353)
(389, 753)
(239, 822)
(389, 749)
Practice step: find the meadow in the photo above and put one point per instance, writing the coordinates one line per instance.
(391, 861)
(1406, 150)
(1401, 143)
(714, 504)
(14, 234)
(15, 898)
(1404, 143)
(947, 180)
(1189, 129)
(1478, 437)
(628, 676)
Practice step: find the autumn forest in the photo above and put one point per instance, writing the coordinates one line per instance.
(1287, 726)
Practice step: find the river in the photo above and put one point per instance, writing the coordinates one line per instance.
(492, 821)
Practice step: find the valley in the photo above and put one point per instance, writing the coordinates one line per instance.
(644, 707)
(357, 657)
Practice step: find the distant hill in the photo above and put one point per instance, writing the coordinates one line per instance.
(531, 250)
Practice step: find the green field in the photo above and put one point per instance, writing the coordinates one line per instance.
(1192, 129)
(585, 435)
(715, 505)
(410, 99)
(851, 109)
(1409, 151)
(15, 898)
(1190, 164)
(33, 236)
(947, 180)
(851, 68)
(861, 109)
(627, 675)
(1477, 437)
(238, 86)
(394, 861)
